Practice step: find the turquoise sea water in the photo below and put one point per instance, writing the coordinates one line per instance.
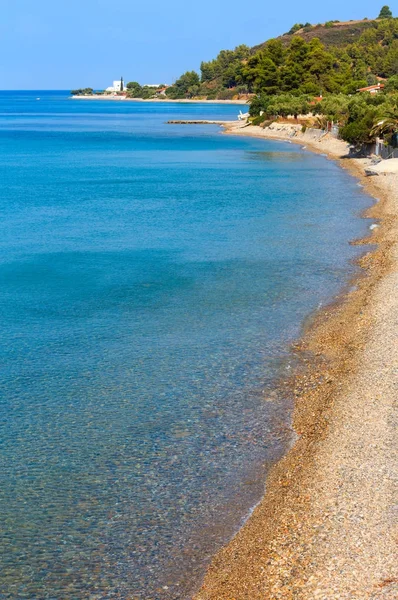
(152, 278)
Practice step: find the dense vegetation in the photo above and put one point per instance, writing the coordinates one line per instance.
(300, 66)
(82, 92)
(135, 90)
(286, 82)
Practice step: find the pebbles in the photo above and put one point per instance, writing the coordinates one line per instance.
(327, 528)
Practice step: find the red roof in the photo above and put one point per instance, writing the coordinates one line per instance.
(316, 100)
(372, 88)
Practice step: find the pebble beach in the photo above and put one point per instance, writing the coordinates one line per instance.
(327, 525)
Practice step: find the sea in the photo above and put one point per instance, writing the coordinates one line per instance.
(153, 278)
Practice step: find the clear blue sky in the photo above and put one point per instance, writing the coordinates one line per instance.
(60, 44)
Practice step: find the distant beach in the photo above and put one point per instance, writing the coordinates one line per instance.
(326, 526)
(162, 101)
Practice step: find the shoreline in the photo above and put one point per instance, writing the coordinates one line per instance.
(325, 527)
(158, 100)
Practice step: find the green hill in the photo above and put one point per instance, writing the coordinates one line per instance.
(332, 57)
(331, 34)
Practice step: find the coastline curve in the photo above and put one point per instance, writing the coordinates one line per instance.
(325, 526)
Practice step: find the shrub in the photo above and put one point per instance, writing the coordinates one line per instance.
(82, 92)
(295, 28)
(213, 94)
(354, 133)
(259, 120)
(392, 84)
(226, 94)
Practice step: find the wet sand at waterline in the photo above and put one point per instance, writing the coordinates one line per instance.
(327, 525)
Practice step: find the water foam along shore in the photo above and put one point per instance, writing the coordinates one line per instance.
(327, 525)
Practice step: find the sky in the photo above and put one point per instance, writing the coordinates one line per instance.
(64, 44)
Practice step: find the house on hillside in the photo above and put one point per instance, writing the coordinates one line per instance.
(316, 100)
(372, 89)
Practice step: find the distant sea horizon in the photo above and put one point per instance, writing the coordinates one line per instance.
(153, 278)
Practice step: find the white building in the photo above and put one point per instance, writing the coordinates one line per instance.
(118, 86)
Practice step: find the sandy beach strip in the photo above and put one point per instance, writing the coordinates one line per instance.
(157, 100)
(327, 525)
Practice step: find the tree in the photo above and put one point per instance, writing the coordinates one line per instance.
(390, 63)
(259, 104)
(208, 71)
(82, 92)
(291, 78)
(262, 73)
(334, 108)
(363, 113)
(275, 51)
(193, 91)
(355, 133)
(134, 89)
(295, 28)
(385, 13)
(226, 67)
(319, 62)
(283, 105)
(181, 87)
(387, 125)
(392, 84)
(242, 52)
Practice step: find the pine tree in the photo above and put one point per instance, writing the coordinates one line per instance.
(385, 13)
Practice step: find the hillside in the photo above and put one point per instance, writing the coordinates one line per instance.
(334, 57)
(336, 34)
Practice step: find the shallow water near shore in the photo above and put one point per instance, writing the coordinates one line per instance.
(152, 279)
